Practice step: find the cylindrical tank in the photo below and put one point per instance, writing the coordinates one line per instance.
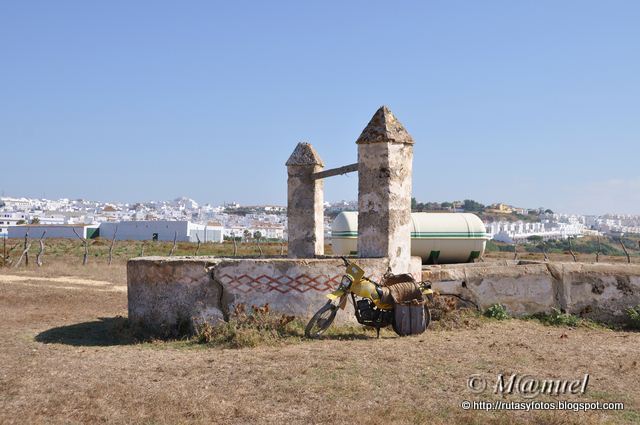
(438, 238)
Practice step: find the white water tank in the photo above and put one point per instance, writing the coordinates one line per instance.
(438, 238)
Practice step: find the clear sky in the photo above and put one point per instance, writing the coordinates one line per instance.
(533, 103)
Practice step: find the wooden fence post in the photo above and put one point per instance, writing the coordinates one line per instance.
(26, 251)
(571, 250)
(624, 248)
(173, 248)
(113, 241)
(85, 243)
(197, 247)
(41, 252)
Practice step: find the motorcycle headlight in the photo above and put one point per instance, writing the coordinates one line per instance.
(346, 281)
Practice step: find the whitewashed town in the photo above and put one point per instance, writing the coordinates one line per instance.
(186, 220)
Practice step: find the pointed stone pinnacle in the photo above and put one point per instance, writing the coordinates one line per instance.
(384, 128)
(304, 154)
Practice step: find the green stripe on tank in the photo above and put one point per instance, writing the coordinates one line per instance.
(448, 235)
(421, 235)
(355, 234)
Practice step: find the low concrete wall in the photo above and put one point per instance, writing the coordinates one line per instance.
(596, 291)
(165, 295)
(169, 293)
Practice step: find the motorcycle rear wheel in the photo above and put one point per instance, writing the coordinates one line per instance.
(321, 321)
(427, 319)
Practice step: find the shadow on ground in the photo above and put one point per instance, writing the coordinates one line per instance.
(105, 331)
(110, 331)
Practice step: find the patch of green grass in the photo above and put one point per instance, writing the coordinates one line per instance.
(558, 318)
(632, 416)
(497, 312)
(633, 317)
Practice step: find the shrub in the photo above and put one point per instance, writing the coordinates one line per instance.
(558, 318)
(464, 318)
(633, 315)
(250, 327)
(493, 246)
(497, 311)
(441, 306)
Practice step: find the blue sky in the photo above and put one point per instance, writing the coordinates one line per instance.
(534, 103)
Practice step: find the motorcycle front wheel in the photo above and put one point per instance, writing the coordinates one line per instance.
(321, 321)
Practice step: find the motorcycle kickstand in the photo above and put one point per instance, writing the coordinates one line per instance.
(378, 332)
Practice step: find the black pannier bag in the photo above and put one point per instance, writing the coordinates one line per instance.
(410, 318)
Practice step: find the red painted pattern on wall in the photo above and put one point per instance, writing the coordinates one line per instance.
(283, 284)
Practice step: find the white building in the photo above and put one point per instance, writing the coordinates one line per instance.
(231, 231)
(8, 219)
(268, 230)
(53, 231)
(210, 232)
(48, 218)
(17, 204)
(510, 232)
(161, 230)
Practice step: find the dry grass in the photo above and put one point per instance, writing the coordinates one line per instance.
(250, 327)
(66, 357)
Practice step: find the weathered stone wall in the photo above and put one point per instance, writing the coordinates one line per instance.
(601, 291)
(165, 292)
(596, 291)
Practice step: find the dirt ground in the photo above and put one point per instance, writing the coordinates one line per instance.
(61, 361)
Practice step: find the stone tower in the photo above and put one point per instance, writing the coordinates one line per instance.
(305, 203)
(385, 157)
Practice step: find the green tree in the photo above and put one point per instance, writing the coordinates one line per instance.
(21, 222)
(472, 206)
(35, 220)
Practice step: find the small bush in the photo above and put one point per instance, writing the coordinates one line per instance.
(250, 328)
(441, 306)
(633, 315)
(497, 311)
(464, 318)
(558, 318)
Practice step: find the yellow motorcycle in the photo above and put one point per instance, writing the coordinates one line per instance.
(398, 301)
